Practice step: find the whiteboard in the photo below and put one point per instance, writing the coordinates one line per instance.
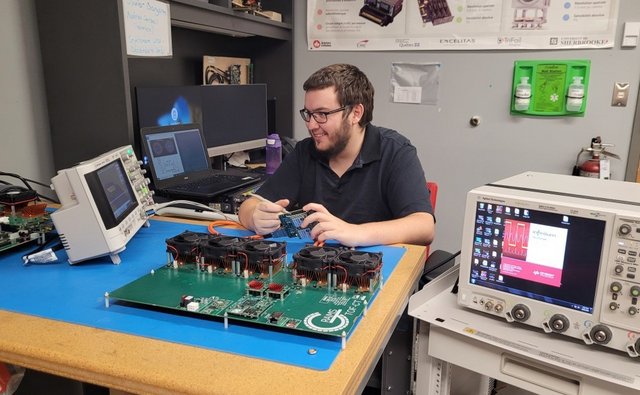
(147, 27)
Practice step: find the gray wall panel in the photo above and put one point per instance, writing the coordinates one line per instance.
(460, 157)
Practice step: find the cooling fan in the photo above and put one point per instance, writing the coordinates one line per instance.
(217, 247)
(361, 266)
(314, 259)
(265, 249)
(185, 245)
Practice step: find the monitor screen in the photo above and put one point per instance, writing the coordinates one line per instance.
(176, 152)
(168, 105)
(235, 117)
(112, 193)
(550, 257)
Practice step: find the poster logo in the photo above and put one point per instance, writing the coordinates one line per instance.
(321, 44)
(511, 41)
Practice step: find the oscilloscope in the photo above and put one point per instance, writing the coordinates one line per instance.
(560, 253)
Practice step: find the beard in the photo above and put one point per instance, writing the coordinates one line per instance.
(340, 140)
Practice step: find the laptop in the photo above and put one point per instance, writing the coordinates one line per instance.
(180, 166)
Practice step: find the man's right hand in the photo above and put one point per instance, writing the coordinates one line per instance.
(264, 216)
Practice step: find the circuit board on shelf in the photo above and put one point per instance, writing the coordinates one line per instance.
(22, 219)
(324, 290)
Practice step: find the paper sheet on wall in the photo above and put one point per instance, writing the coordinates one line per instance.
(350, 25)
(147, 27)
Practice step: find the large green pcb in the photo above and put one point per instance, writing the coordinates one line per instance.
(286, 299)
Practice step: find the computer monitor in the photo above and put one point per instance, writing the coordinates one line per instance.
(169, 105)
(235, 117)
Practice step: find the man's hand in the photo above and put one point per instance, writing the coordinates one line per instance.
(261, 216)
(416, 228)
(330, 227)
(265, 216)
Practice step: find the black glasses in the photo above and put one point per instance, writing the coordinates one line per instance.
(319, 116)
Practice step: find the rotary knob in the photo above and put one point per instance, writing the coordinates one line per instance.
(624, 229)
(559, 323)
(635, 291)
(618, 269)
(488, 306)
(520, 313)
(615, 286)
(632, 311)
(600, 334)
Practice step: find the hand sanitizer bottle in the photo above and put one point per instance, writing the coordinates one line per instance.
(575, 94)
(523, 95)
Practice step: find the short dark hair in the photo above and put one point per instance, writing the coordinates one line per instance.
(352, 86)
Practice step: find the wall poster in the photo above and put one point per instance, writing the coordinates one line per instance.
(393, 25)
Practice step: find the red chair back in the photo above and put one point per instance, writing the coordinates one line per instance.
(433, 195)
(433, 190)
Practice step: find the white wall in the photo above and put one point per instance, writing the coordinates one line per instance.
(478, 83)
(25, 145)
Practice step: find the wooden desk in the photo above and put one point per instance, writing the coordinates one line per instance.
(143, 365)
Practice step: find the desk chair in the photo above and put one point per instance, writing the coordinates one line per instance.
(395, 367)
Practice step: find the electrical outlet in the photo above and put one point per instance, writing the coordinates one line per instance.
(620, 94)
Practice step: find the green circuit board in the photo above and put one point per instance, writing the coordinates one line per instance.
(23, 226)
(283, 297)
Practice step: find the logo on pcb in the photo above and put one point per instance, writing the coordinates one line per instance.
(332, 321)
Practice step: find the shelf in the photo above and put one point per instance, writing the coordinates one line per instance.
(200, 15)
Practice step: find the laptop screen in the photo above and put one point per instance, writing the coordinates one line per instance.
(176, 152)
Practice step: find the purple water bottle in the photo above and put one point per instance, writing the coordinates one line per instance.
(273, 153)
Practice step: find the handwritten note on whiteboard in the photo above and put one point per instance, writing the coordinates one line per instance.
(147, 27)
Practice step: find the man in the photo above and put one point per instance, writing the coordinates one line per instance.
(364, 184)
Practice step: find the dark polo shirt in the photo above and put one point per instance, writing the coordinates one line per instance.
(386, 181)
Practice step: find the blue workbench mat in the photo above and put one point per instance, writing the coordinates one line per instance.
(75, 294)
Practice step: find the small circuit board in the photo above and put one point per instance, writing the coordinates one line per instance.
(22, 219)
(324, 290)
(291, 225)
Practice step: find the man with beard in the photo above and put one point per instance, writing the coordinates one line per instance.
(364, 184)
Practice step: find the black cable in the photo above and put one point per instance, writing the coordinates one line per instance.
(48, 198)
(19, 177)
(26, 182)
(38, 183)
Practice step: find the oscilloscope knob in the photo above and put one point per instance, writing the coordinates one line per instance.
(615, 286)
(601, 334)
(624, 229)
(520, 313)
(618, 269)
(635, 291)
(559, 323)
